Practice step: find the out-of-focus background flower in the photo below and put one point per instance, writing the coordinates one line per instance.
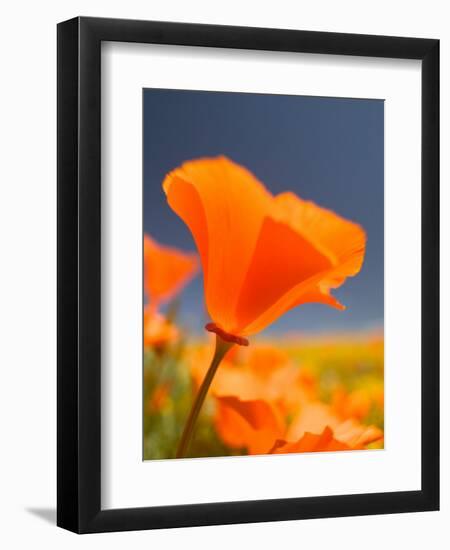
(313, 381)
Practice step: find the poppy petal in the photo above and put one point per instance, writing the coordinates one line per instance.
(334, 236)
(339, 241)
(223, 205)
(315, 417)
(253, 425)
(166, 270)
(310, 442)
(357, 435)
(281, 260)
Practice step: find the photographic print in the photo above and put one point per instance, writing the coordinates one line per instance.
(232, 243)
(263, 274)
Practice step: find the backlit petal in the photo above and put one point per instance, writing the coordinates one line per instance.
(281, 259)
(223, 205)
(253, 425)
(340, 241)
(166, 270)
(310, 443)
(315, 417)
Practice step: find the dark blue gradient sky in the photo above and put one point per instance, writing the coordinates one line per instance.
(329, 150)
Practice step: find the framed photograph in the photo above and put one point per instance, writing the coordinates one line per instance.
(248, 275)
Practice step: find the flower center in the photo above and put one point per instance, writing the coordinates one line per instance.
(240, 340)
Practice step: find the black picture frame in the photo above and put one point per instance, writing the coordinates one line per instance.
(79, 275)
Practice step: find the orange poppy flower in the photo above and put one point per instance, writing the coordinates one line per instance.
(261, 254)
(254, 425)
(315, 417)
(266, 373)
(312, 443)
(258, 427)
(355, 404)
(166, 270)
(265, 359)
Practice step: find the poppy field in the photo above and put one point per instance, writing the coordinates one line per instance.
(304, 395)
(236, 389)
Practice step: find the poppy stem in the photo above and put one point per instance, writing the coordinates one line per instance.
(221, 349)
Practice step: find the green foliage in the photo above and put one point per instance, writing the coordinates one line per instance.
(164, 422)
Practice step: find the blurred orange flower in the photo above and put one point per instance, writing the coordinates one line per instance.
(311, 443)
(266, 373)
(261, 254)
(258, 427)
(264, 359)
(316, 416)
(354, 405)
(254, 425)
(158, 331)
(159, 399)
(166, 270)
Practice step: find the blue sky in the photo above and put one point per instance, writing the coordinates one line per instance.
(329, 150)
